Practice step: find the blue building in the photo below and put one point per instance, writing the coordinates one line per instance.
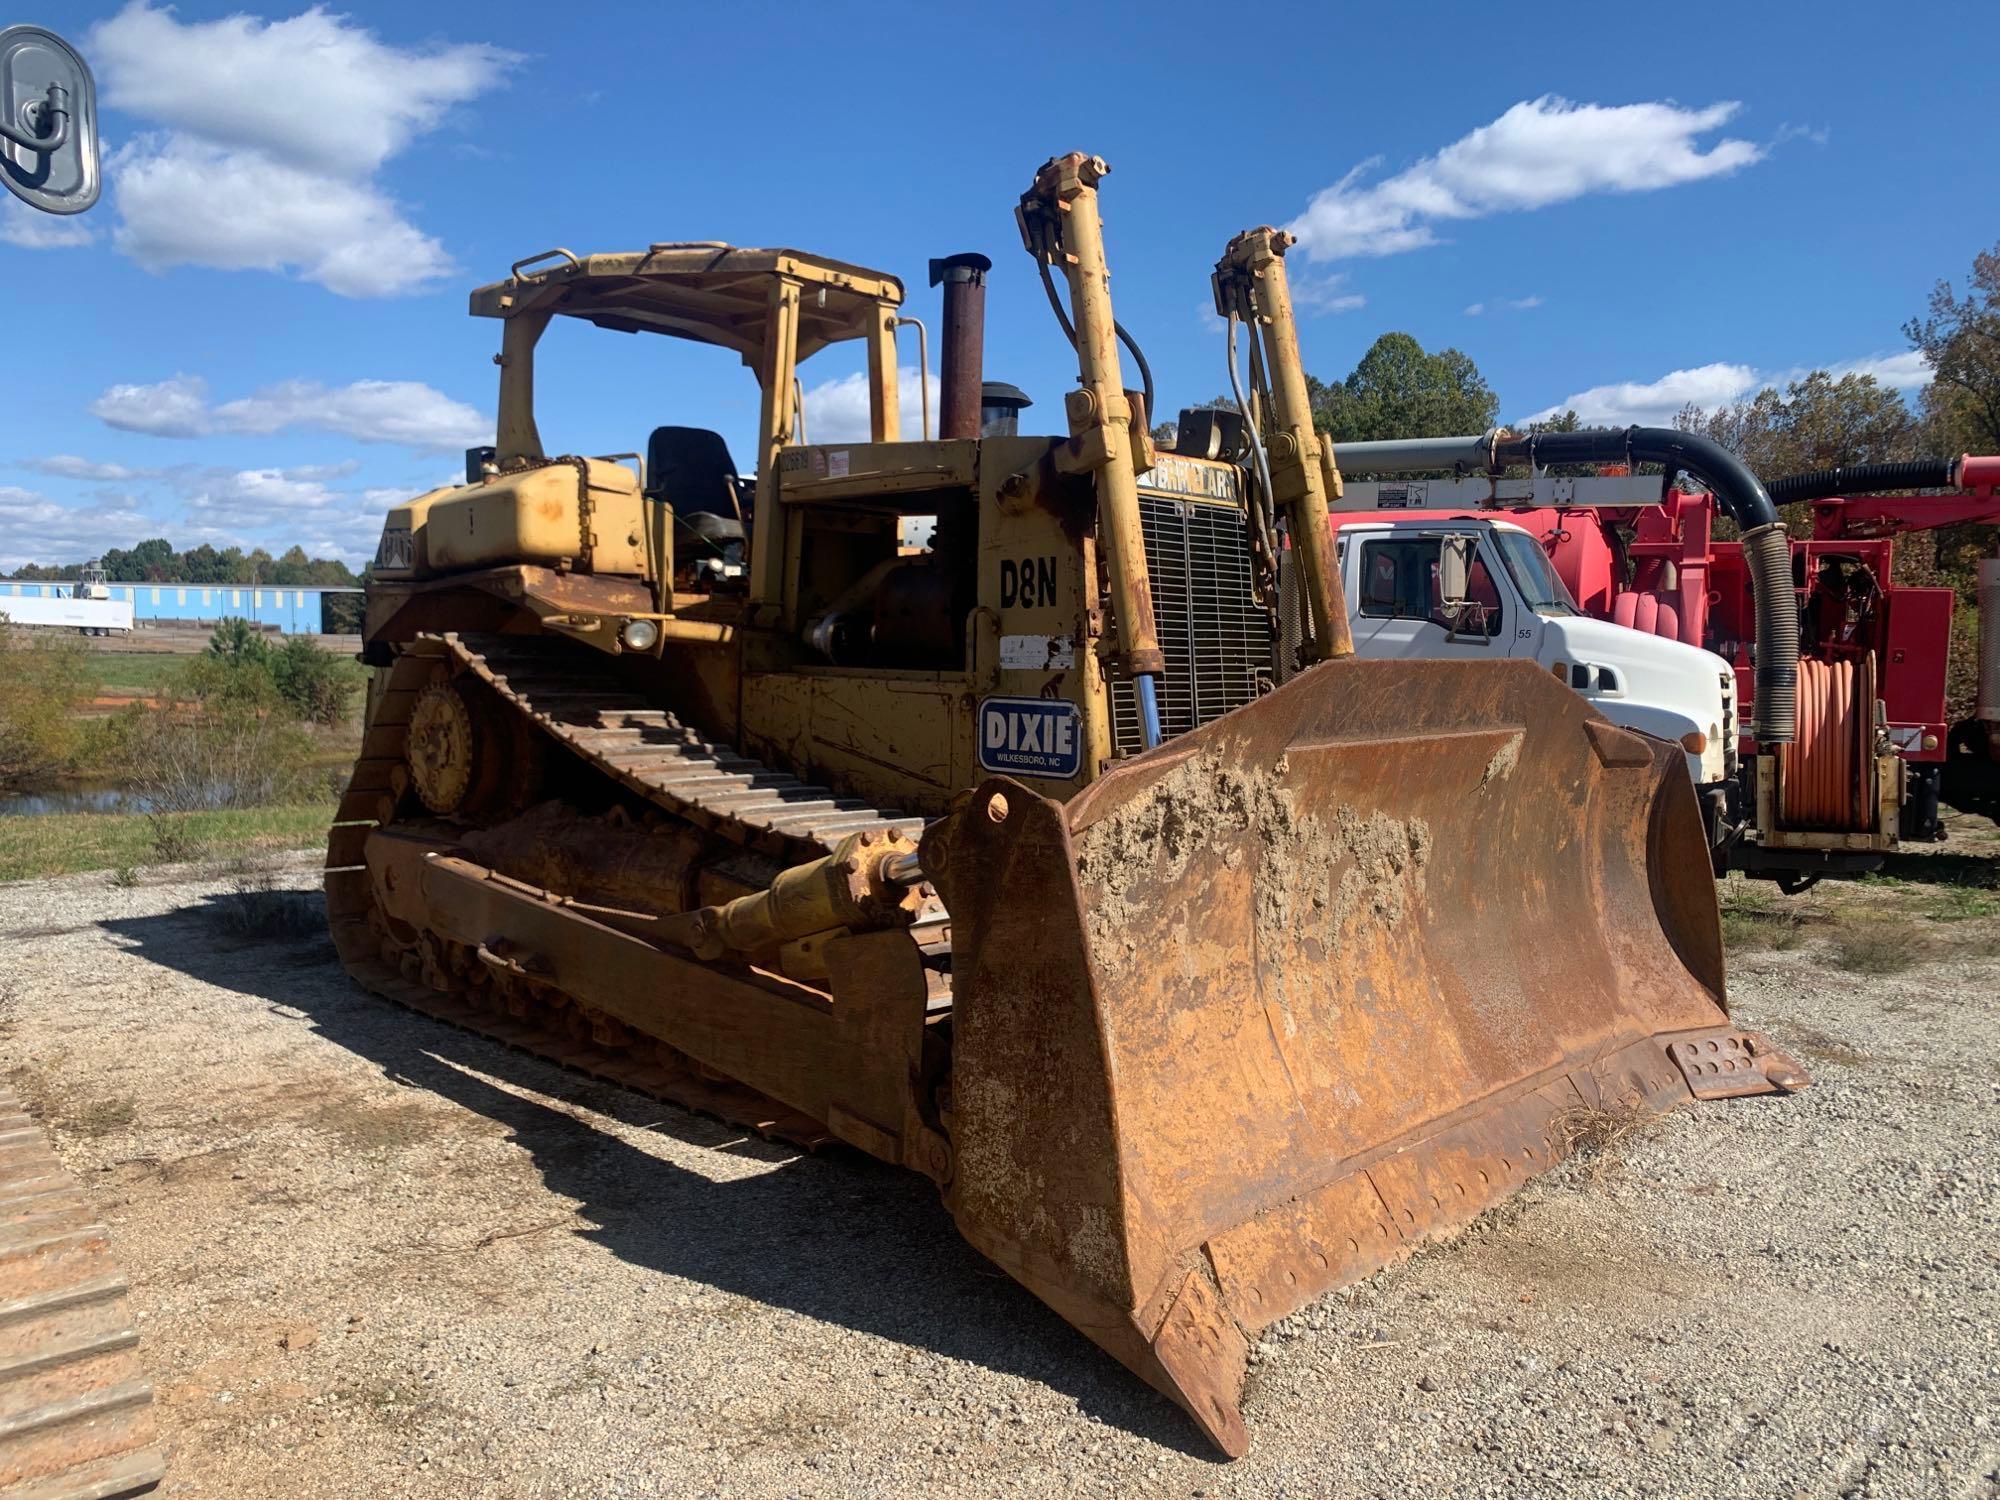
(295, 611)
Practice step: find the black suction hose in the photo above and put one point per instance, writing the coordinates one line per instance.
(1863, 479)
(1744, 499)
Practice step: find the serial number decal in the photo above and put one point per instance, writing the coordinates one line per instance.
(1037, 653)
(1028, 582)
(1030, 737)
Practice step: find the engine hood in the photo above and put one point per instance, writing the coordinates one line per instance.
(1666, 688)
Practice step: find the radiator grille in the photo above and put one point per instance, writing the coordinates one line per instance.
(1216, 640)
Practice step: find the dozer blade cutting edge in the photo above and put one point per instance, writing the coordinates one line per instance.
(1263, 1010)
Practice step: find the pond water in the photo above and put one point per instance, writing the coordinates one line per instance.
(69, 797)
(101, 797)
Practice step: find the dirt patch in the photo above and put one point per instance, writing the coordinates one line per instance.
(1312, 879)
(1823, 1046)
(1505, 759)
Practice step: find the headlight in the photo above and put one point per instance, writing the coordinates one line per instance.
(639, 635)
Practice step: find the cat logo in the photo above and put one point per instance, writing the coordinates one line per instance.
(398, 548)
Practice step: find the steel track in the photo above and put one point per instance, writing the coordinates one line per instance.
(579, 703)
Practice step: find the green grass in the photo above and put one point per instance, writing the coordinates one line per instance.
(1957, 903)
(1754, 920)
(66, 843)
(142, 675)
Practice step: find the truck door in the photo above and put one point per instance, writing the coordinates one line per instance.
(1399, 609)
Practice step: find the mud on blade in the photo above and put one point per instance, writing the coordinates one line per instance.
(1262, 1011)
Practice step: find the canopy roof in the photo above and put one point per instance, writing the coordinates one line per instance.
(709, 292)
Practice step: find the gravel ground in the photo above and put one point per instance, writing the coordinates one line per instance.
(375, 1256)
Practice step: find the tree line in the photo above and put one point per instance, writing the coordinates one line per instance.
(156, 561)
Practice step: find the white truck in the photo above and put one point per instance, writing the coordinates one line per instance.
(1476, 589)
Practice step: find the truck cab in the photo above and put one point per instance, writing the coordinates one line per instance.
(1479, 590)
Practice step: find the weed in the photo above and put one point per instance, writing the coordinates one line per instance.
(102, 1116)
(255, 910)
(1599, 1135)
(173, 838)
(124, 877)
(1880, 945)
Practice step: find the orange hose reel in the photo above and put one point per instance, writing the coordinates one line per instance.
(1827, 774)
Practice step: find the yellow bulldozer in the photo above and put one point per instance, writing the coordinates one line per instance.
(1199, 982)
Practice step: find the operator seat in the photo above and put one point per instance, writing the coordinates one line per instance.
(689, 470)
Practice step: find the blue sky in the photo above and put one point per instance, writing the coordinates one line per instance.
(259, 335)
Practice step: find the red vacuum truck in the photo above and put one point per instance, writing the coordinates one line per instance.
(1871, 755)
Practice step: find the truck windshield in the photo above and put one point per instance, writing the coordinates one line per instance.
(1529, 567)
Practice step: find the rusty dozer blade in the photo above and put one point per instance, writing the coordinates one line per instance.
(1263, 1010)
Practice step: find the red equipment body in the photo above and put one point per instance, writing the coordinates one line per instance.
(1864, 638)
(1689, 587)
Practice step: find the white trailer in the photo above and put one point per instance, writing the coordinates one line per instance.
(89, 616)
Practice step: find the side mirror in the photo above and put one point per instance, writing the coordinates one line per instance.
(48, 122)
(1454, 570)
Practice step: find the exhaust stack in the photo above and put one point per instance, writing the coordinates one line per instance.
(964, 280)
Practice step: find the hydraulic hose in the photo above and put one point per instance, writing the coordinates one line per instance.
(1069, 332)
(1744, 499)
(1861, 479)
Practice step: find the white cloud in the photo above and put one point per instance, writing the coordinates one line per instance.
(837, 409)
(273, 134)
(1904, 372)
(1509, 304)
(1325, 295)
(177, 407)
(30, 229)
(407, 412)
(184, 202)
(1653, 403)
(273, 508)
(34, 528)
(369, 411)
(69, 466)
(315, 90)
(17, 505)
(1541, 151)
(258, 497)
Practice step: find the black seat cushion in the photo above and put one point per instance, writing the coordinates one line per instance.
(689, 468)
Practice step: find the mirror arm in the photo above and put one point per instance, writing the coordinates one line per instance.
(57, 110)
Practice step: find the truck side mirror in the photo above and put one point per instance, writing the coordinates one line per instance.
(48, 122)
(1454, 570)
